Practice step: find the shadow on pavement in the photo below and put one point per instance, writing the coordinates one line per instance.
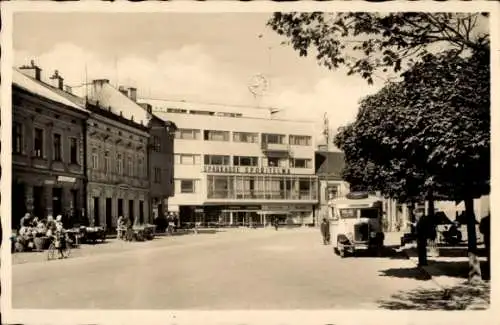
(459, 297)
(407, 273)
(388, 252)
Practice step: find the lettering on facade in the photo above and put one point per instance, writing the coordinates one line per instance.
(245, 170)
(66, 179)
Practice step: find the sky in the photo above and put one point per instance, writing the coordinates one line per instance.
(202, 57)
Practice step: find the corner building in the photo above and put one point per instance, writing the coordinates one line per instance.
(239, 166)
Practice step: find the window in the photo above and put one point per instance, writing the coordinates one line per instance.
(73, 151)
(369, 213)
(57, 147)
(107, 163)
(214, 135)
(95, 159)
(130, 167)
(187, 134)
(156, 144)
(245, 137)
(300, 163)
(139, 168)
(38, 146)
(17, 137)
(300, 140)
(216, 160)
(187, 185)
(119, 166)
(245, 161)
(275, 162)
(273, 138)
(157, 172)
(185, 159)
(348, 213)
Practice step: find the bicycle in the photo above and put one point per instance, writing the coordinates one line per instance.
(54, 249)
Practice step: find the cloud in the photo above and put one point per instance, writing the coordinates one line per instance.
(190, 73)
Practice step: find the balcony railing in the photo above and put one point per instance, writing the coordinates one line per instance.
(275, 147)
(259, 195)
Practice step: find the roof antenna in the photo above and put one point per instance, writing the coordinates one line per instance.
(86, 84)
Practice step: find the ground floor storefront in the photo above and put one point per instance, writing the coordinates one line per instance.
(107, 202)
(44, 195)
(245, 215)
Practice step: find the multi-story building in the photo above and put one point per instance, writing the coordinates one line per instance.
(239, 165)
(117, 156)
(48, 130)
(161, 158)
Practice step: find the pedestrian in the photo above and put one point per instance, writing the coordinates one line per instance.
(422, 229)
(26, 221)
(276, 223)
(325, 231)
(120, 227)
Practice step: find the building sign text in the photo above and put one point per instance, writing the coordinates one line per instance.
(245, 170)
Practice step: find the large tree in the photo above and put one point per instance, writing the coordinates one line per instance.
(427, 136)
(441, 112)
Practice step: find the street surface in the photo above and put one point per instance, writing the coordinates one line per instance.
(234, 269)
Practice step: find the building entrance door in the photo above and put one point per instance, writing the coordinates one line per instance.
(109, 213)
(57, 201)
(141, 212)
(97, 219)
(131, 210)
(120, 208)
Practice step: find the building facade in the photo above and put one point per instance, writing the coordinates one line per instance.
(48, 136)
(117, 157)
(239, 166)
(329, 165)
(161, 159)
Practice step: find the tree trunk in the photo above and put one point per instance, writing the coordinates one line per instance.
(474, 265)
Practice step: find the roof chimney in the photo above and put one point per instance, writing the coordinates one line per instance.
(68, 89)
(32, 70)
(57, 81)
(123, 90)
(132, 93)
(147, 107)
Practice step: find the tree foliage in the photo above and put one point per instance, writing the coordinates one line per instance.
(365, 42)
(430, 131)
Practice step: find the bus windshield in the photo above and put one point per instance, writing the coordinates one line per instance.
(369, 213)
(348, 213)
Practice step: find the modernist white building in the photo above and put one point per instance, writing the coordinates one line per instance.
(239, 165)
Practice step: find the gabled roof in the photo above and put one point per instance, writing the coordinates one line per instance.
(41, 89)
(329, 164)
(119, 104)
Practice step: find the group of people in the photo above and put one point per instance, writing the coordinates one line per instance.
(32, 227)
